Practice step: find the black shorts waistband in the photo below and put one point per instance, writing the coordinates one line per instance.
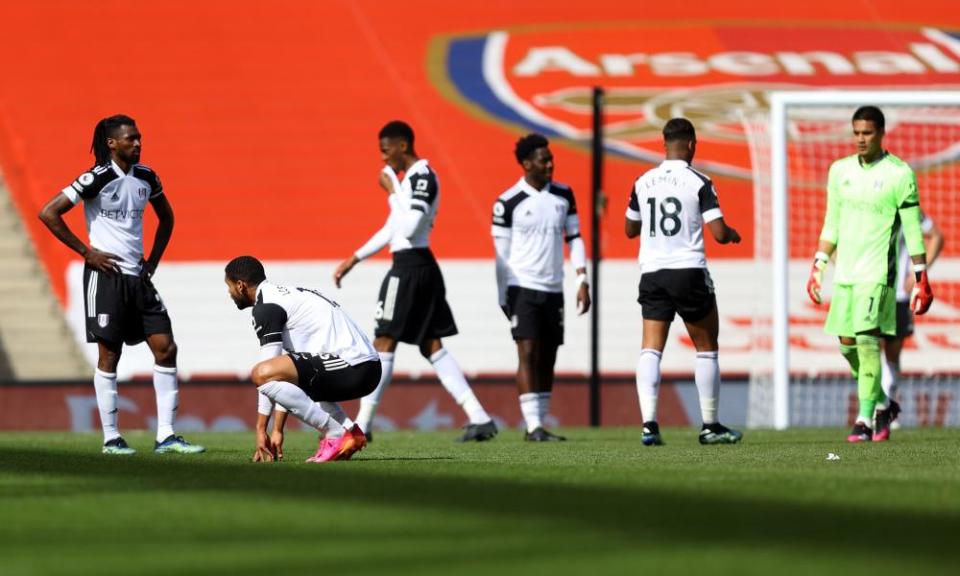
(414, 257)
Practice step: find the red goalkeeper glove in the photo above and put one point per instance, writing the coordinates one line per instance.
(815, 283)
(921, 297)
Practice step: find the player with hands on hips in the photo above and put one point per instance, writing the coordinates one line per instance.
(122, 306)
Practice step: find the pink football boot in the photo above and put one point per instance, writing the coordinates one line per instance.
(328, 450)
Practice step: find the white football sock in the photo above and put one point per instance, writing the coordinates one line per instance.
(452, 378)
(544, 404)
(368, 404)
(530, 408)
(648, 383)
(707, 376)
(105, 385)
(165, 386)
(296, 401)
(265, 406)
(337, 413)
(889, 377)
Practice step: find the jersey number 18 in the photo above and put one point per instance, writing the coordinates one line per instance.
(669, 216)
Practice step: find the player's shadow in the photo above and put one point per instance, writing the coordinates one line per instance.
(639, 517)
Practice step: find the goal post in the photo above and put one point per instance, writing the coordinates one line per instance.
(800, 121)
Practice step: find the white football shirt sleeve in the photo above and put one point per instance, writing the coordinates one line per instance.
(405, 219)
(572, 226)
(633, 206)
(709, 204)
(578, 253)
(88, 184)
(265, 405)
(502, 246)
(502, 221)
(270, 351)
(376, 242)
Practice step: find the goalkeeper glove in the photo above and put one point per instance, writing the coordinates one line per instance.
(815, 283)
(921, 297)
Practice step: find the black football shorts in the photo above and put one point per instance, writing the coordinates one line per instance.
(412, 305)
(328, 378)
(687, 292)
(904, 321)
(535, 314)
(122, 308)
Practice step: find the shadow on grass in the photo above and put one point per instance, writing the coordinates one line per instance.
(645, 517)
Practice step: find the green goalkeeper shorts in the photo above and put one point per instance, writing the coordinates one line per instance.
(858, 308)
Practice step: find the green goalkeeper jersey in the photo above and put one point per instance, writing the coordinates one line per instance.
(867, 206)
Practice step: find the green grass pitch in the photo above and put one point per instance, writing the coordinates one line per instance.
(417, 503)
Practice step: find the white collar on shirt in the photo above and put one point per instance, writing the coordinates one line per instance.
(117, 169)
(674, 163)
(414, 168)
(526, 187)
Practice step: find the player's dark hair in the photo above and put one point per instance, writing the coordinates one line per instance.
(679, 130)
(527, 145)
(246, 268)
(106, 128)
(871, 114)
(397, 129)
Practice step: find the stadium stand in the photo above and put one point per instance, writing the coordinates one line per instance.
(36, 342)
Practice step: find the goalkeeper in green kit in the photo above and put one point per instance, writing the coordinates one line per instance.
(870, 197)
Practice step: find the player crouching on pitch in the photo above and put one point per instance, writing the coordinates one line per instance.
(327, 360)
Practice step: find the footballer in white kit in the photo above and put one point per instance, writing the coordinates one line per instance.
(668, 209)
(531, 222)
(893, 344)
(412, 305)
(121, 304)
(312, 356)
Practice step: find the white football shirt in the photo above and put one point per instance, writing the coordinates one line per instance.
(672, 202)
(113, 203)
(419, 190)
(537, 222)
(304, 320)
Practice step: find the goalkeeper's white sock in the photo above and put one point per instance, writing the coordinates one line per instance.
(105, 385)
(530, 408)
(368, 404)
(889, 377)
(165, 386)
(296, 401)
(648, 383)
(452, 378)
(707, 376)
(337, 413)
